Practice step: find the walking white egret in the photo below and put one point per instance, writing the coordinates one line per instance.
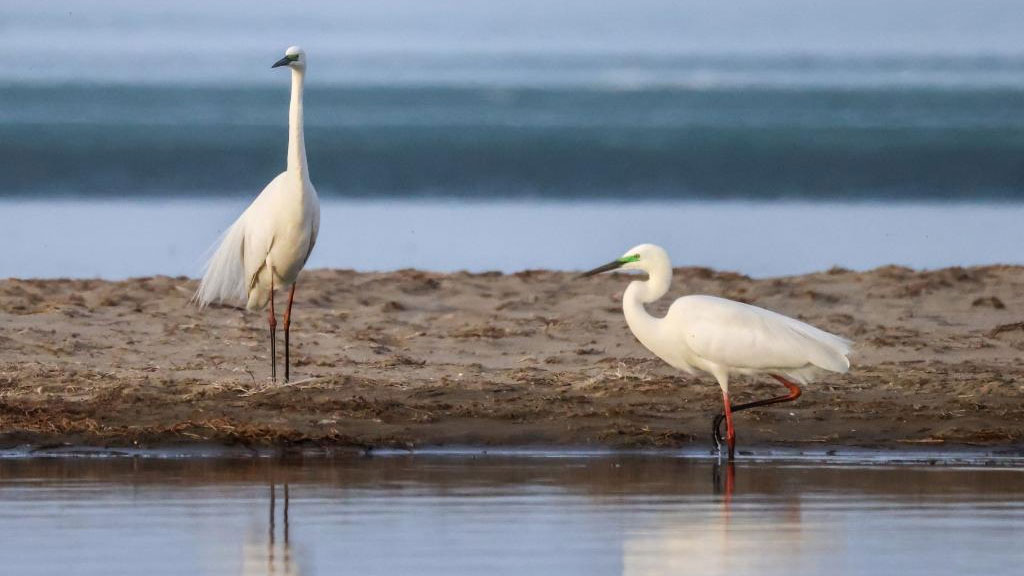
(270, 242)
(723, 337)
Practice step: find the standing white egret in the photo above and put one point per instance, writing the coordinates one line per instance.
(723, 337)
(270, 242)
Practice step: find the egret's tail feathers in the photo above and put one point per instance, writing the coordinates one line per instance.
(224, 275)
(824, 349)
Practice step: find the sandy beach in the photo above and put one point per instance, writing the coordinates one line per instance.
(415, 359)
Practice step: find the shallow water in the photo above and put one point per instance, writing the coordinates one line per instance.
(466, 514)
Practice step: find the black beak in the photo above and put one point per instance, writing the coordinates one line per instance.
(609, 266)
(282, 62)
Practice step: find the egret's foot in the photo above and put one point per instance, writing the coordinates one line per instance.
(716, 433)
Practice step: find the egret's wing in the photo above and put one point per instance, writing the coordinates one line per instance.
(739, 335)
(314, 232)
(259, 233)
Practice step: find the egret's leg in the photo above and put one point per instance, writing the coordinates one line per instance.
(287, 325)
(273, 333)
(716, 432)
(794, 393)
(730, 432)
(716, 424)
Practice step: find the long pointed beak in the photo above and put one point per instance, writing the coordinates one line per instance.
(282, 62)
(609, 266)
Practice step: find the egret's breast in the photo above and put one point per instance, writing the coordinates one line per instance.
(674, 352)
(293, 236)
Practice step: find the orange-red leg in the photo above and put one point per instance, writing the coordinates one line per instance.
(794, 393)
(287, 325)
(730, 431)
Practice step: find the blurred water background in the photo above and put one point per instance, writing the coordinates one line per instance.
(770, 138)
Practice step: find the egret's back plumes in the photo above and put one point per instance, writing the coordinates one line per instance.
(224, 274)
(823, 350)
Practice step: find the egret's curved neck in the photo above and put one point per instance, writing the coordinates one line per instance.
(296, 140)
(640, 292)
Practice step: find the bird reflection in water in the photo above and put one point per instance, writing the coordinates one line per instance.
(275, 556)
(724, 484)
(759, 533)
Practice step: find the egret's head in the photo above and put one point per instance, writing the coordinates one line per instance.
(294, 58)
(642, 257)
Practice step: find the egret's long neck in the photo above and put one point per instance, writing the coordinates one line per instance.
(640, 292)
(296, 140)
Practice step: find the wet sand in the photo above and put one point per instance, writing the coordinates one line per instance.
(414, 359)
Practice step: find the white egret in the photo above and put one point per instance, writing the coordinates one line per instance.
(723, 337)
(270, 242)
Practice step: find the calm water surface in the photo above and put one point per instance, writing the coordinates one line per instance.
(505, 515)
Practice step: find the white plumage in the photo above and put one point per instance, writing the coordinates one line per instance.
(723, 337)
(732, 337)
(266, 248)
(276, 232)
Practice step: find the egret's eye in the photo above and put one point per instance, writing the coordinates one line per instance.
(292, 57)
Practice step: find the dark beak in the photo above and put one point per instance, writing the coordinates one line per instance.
(282, 62)
(609, 266)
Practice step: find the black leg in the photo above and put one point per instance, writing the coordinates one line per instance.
(287, 326)
(716, 433)
(273, 333)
